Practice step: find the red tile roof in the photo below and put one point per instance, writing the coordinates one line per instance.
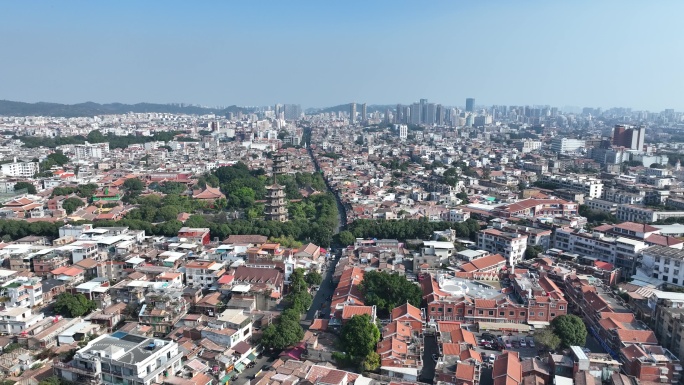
(483, 263)
(407, 311)
(349, 311)
(465, 371)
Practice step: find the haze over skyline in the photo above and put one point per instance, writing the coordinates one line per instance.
(580, 53)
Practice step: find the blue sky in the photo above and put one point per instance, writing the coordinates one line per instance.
(317, 53)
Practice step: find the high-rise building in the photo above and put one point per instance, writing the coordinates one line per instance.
(364, 112)
(399, 117)
(403, 131)
(352, 113)
(292, 111)
(423, 110)
(629, 136)
(430, 113)
(470, 105)
(415, 114)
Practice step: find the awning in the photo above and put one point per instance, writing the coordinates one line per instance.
(503, 326)
(251, 357)
(539, 323)
(239, 367)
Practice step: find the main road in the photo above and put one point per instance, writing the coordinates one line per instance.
(326, 288)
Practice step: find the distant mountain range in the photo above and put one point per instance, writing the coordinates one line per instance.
(345, 108)
(10, 108)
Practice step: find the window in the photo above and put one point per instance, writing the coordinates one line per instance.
(655, 275)
(676, 272)
(459, 311)
(511, 313)
(432, 308)
(522, 313)
(502, 313)
(480, 312)
(491, 312)
(561, 307)
(553, 305)
(470, 311)
(675, 280)
(553, 315)
(665, 277)
(531, 314)
(541, 313)
(449, 310)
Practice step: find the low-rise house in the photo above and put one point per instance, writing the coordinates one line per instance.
(113, 358)
(162, 310)
(203, 274)
(17, 319)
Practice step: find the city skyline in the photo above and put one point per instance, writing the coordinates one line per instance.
(254, 54)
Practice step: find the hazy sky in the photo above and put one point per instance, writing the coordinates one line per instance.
(322, 53)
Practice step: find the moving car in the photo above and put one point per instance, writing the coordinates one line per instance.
(434, 357)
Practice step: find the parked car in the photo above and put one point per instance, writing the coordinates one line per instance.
(531, 342)
(434, 357)
(586, 350)
(508, 344)
(522, 342)
(488, 336)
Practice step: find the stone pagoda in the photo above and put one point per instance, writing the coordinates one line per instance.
(276, 205)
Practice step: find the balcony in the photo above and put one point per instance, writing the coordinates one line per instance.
(70, 368)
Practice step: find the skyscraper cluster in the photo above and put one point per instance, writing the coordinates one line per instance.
(288, 111)
(424, 112)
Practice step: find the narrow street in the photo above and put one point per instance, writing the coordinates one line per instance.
(325, 291)
(430, 348)
(248, 374)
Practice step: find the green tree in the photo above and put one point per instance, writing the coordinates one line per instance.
(570, 329)
(95, 136)
(371, 362)
(546, 337)
(52, 380)
(346, 238)
(169, 213)
(532, 252)
(58, 158)
(286, 332)
(25, 185)
(297, 281)
(450, 177)
(313, 278)
(300, 302)
(359, 336)
(387, 291)
(134, 184)
(71, 306)
(71, 204)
